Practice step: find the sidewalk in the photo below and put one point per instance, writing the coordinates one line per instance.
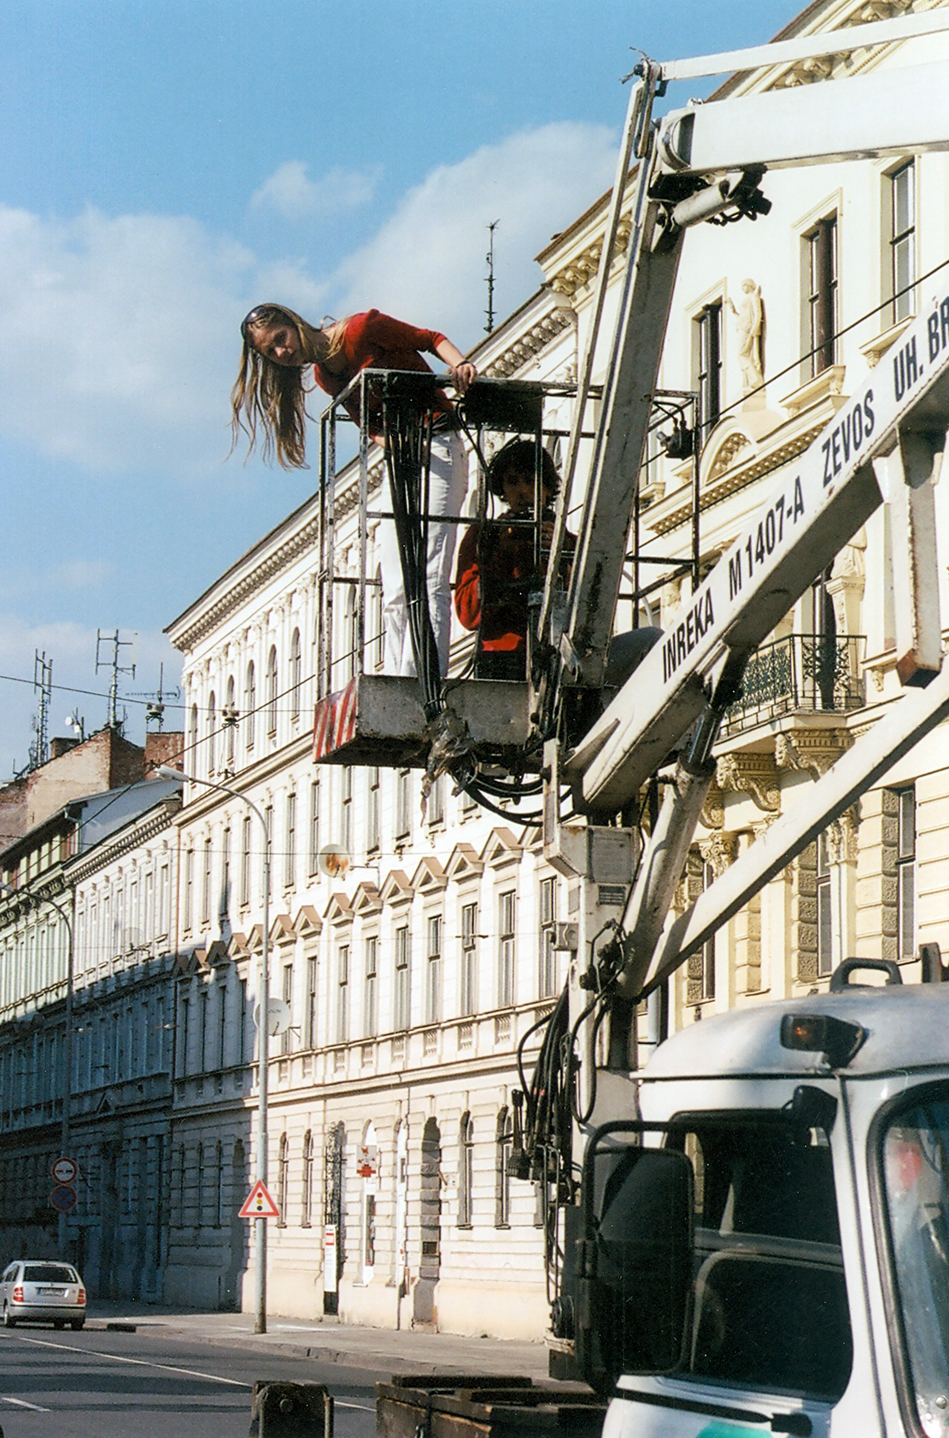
(329, 1341)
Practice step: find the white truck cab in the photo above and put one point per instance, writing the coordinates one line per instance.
(766, 1249)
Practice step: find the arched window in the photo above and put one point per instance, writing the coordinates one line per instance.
(250, 705)
(193, 737)
(465, 1170)
(296, 672)
(283, 1169)
(229, 717)
(272, 690)
(504, 1136)
(212, 736)
(306, 1216)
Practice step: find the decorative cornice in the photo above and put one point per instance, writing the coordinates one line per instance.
(83, 866)
(750, 773)
(529, 344)
(812, 751)
(581, 269)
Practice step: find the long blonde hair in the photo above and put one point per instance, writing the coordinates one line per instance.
(271, 395)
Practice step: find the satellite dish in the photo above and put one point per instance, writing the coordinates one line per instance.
(278, 1016)
(334, 860)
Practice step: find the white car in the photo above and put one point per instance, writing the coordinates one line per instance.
(37, 1290)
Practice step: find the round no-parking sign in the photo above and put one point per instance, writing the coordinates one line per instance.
(65, 1170)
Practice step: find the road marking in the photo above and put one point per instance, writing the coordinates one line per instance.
(141, 1362)
(144, 1363)
(22, 1403)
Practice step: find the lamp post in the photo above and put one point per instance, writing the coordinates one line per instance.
(34, 901)
(164, 771)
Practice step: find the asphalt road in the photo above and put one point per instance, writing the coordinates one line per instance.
(101, 1384)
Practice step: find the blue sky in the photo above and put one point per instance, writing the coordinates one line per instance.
(168, 163)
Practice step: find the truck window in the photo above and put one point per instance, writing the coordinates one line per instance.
(915, 1168)
(769, 1300)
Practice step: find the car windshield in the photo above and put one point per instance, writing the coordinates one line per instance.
(49, 1273)
(915, 1157)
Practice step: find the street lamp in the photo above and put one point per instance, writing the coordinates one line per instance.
(164, 771)
(33, 901)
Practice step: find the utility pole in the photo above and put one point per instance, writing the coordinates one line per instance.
(116, 668)
(489, 259)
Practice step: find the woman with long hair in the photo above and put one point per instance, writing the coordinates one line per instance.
(270, 396)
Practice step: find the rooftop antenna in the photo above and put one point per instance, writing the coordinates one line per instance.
(489, 259)
(42, 685)
(155, 709)
(116, 667)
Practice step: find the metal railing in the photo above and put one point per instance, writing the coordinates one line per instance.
(800, 674)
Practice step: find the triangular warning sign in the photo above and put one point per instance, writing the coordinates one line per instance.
(259, 1204)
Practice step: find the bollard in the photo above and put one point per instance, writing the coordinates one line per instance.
(290, 1410)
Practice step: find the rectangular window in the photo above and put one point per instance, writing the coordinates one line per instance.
(402, 952)
(311, 972)
(221, 1019)
(507, 909)
(906, 872)
(822, 280)
(188, 906)
(314, 857)
(708, 362)
(290, 850)
(403, 804)
(206, 884)
(547, 978)
(373, 832)
(903, 240)
(342, 994)
(245, 860)
(436, 801)
(433, 971)
(825, 928)
(286, 1038)
(469, 958)
(346, 823)
(375, 656)
(371, 992)
(225, 899)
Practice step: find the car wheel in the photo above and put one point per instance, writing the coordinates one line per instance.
(59, 1323)
(76, 1324)
(8, 1322)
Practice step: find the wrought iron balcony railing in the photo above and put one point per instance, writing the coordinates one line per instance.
(800, 674)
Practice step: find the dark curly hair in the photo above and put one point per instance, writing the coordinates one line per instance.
(519, 456)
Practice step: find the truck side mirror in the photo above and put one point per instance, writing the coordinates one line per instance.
(635, 1265)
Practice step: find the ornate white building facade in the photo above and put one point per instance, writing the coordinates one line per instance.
(412, 975)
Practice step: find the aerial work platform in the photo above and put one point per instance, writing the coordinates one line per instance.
(382, 714)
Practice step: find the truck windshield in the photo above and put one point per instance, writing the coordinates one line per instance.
(915, 1159)
(769, 1301)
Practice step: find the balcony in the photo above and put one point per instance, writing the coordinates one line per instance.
(800, 674)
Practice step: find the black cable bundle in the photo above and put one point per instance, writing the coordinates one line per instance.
(408, 437)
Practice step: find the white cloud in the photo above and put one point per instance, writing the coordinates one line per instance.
(427, 263)
(118, 338)
(291, 192)
(119, 334)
